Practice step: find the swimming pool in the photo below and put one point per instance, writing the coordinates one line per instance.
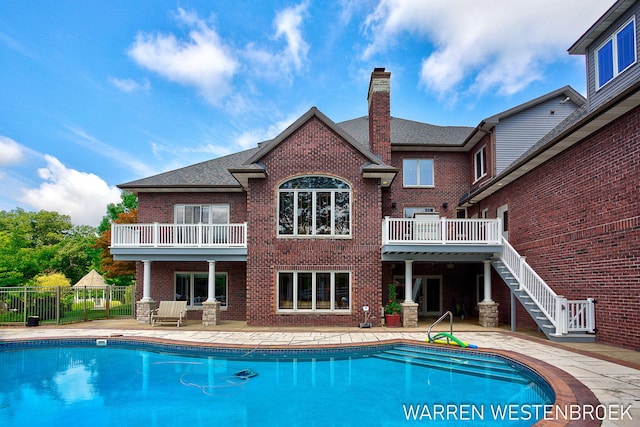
(125, 383)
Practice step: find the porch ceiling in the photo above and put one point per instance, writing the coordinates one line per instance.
(440, 253)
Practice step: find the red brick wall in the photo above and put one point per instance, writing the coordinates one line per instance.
(380, 115)
(313, 149)
(158, 207)
(163, 284)
(451, 177)
(577, 220)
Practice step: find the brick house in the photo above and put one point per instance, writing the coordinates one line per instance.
(308, 228)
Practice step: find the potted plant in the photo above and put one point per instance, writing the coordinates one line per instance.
(392, 308)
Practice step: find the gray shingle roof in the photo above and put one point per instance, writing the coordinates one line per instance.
(215, 172)
(211, 173)
(409, 132)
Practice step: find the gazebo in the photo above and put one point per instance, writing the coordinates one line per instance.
(91, 287)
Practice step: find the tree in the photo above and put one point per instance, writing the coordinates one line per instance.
(116, 272)
(33, 242)
(76, 254)
(129, 202)
(51, 280)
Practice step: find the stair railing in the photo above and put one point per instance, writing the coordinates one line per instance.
(566, 316)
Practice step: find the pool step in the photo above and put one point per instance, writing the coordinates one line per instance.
(494, 369)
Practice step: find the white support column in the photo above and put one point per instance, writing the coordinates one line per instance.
(487, 281)
(146, 281)
(211, 282)
(408, 280)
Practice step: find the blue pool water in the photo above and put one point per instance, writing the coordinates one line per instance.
(149, 385)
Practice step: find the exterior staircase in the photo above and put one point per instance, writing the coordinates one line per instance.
(561, 320)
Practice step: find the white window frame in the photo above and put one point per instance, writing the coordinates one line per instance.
(614, 42)
(335, 307)
(480, 156)
(314, 199)
(417, 176)
(192, 302)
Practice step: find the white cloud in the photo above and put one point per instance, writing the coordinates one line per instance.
(79, 136)
(287, 23)
(278, 64)
(130, 85)
(202, 61)
(83, 196)
(501, 45)
(249, 138)
(11, 152)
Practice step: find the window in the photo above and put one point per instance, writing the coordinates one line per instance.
(480, 163)
(189, 217)
(314, 206)
(205, 214)
(314, 291)
(192, 288)
(411, 212)
(417, 172)
(616, 54)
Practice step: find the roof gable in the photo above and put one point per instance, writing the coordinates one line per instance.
(266, 147)
(601, 26)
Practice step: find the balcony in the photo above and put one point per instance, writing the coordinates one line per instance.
(440, 239)
(179, 242)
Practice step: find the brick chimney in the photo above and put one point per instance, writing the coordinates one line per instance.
(379, 98)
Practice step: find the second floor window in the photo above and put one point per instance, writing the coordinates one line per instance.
(616, 54)
(205, 214)
(417, 172)
(480, 163)
(314, 206)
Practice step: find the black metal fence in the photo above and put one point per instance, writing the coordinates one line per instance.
(35, 305)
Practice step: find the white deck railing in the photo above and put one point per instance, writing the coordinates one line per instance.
(440, 231)
(179, 235)
(566, 316)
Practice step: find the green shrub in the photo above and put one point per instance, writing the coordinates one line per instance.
(82, 305)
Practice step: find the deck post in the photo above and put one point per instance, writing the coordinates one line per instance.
(408, 281)
(211, 282)
(146, 282)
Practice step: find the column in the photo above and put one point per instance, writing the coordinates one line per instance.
(146, 282)
(146, 305)
(409, 308)
(487, 281)
(211, 282)
(408, 281)
(211, 307)
(488, 309)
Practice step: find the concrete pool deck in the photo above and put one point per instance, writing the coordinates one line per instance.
(612, 374)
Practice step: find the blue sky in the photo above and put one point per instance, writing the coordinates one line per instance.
(98, 93)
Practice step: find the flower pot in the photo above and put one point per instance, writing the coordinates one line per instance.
(392, 320)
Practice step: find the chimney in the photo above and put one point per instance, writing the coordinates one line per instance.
(379, 98)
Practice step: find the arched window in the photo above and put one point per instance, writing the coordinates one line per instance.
(314, 206)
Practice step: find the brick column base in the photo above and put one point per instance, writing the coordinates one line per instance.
(210, 313)
(409, 314)
(143, 311)
(488, 313)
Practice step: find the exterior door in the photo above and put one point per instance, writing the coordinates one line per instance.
(430, 296)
